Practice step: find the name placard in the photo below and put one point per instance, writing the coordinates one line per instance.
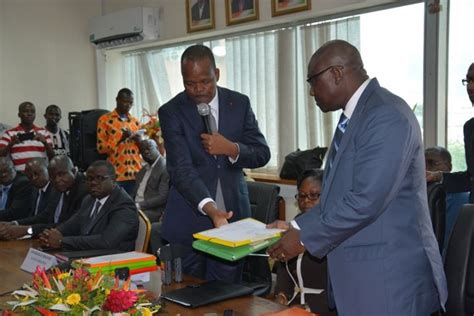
(36, 258)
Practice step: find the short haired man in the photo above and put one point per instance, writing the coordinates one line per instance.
(152, 182)
(207, 183)
(438, 159)
(26, 140)
(107, 218)
(16, 192)
(117, 137)
(69, 191)
(373, 221)
(59, 137)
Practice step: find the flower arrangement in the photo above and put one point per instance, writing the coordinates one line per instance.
(78, 292)
(152, 127)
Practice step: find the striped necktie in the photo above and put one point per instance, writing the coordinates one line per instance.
(340, 130)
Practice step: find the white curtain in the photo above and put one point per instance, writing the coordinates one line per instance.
(270, 67)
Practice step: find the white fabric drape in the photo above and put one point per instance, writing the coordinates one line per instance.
(270, 67)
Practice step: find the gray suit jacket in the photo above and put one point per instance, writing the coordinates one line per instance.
(156, 191)
(373, 221)
(115, 227)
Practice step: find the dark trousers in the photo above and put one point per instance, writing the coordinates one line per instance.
(209, 268)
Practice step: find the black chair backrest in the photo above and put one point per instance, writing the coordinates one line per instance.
(437, 206)
(264, 204)
(459, 265)
(264, 201)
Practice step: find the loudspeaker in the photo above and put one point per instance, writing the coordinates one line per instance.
(83, 134)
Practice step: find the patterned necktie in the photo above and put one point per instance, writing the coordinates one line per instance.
(3, 197)
(219, 196)
(340, 130)
(95, 210)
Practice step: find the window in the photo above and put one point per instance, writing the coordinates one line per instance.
(270, 67)
(461, 52)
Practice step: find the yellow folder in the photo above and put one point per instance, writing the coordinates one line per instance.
(239, 233)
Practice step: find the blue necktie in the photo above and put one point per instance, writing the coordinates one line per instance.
(3, 197)
(340, 130)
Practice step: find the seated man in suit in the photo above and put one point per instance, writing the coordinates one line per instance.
(107, 218)
(69, 191)
(152, 182)
(16, 193)
(439, 159)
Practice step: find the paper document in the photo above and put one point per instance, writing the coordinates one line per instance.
(243, 232)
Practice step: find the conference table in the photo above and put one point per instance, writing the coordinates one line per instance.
(12, 254)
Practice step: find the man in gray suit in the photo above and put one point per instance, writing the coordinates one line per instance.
(152, 182)
(373, 221)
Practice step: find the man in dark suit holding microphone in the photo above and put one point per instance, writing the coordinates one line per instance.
(205, 157)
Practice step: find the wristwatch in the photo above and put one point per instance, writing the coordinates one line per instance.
(30, 230)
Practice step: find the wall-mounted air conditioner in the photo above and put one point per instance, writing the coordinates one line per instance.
(124, 27)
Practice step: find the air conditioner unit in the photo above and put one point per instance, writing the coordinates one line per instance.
(124, 27)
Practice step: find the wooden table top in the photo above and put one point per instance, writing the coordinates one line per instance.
(12, 254)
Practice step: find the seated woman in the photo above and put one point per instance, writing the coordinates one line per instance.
(305, 274)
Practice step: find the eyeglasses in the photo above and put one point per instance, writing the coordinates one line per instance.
(467, 81)
(311, 78)
(309, 196)
(97, 179)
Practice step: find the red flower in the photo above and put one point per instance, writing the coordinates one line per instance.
(45, 312)
(119, 301)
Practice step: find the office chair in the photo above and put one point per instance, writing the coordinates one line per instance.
(437, 206)
(144, 230)
(459, 265)
(264, 203)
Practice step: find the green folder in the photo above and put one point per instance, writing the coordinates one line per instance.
(130, 265)
(232, 253)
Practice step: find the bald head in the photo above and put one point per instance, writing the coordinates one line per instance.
(335, 72)
(36, 169)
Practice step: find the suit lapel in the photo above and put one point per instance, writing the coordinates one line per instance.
(351, 128)
(189, 111)
(103, 210)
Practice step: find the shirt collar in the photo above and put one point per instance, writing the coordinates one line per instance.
(351, 104)
(103, 200)
(214, 104)
(45, 187)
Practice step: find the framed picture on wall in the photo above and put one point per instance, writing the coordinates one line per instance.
(238, 11)
(200, 15)
(280, 7)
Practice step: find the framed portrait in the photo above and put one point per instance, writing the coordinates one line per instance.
(238, 11)
(200, 15)
(280, 7)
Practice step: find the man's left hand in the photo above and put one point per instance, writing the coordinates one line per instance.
(51, 238)
(288, 247)
(216, 144)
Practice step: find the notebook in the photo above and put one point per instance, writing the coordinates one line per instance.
(243, 232)
(206, 293)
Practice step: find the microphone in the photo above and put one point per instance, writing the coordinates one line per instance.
(204, 110)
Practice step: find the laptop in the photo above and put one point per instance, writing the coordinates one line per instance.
(206, 293)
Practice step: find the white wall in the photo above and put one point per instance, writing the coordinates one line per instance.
(45, 56)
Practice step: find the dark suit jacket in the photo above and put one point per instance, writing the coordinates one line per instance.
(71, 204)
(115, 227)
(456, 182)
(194, 173)
(19, 199)
(205, 12)
(373, 221)
(47, 195)
(156, 191)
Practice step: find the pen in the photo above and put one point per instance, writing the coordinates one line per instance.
(259, 254)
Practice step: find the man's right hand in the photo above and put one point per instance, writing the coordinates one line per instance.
(279, 224)
(434, 176)
(9, 232)
(219, 217)
(126, 133)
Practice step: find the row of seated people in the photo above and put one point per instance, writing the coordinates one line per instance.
(54, 201)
